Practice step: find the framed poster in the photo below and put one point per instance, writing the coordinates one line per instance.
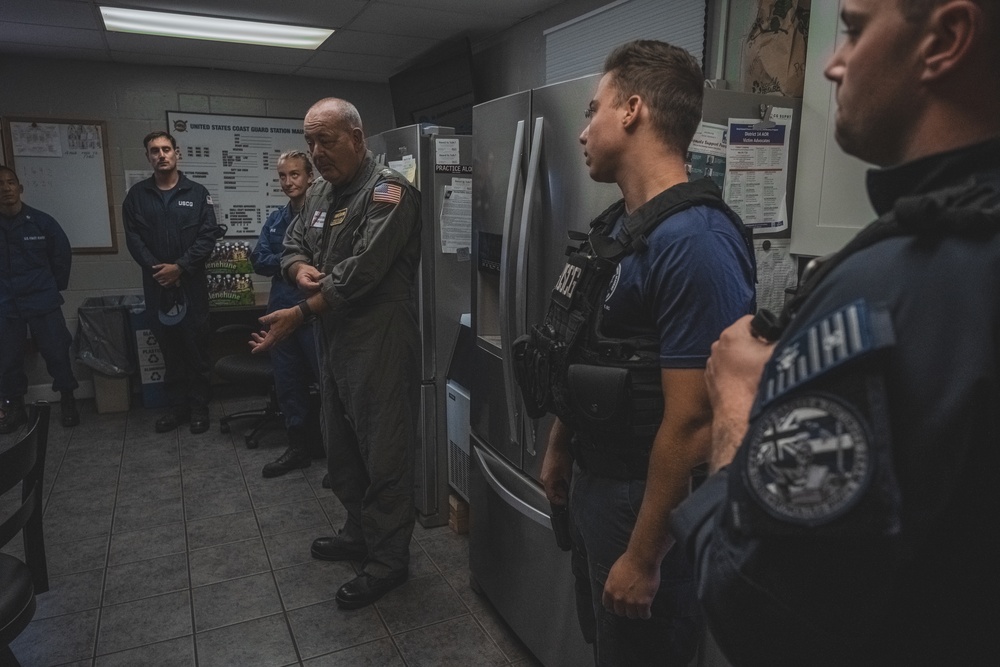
(235, 158)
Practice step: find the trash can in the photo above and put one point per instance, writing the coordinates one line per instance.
(103, 342)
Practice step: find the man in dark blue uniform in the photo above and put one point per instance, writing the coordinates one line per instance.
(170, 230)
(34, 268)
(852, 520)
(689, 274)
(294, 360)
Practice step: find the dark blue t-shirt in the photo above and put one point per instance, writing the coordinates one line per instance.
(695, 279)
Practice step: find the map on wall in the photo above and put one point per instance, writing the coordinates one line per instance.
(235, 158)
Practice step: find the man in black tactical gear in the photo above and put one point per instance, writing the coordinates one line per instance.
(852, 520)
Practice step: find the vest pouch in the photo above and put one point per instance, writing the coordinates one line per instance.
(531, 370)
(600, 396)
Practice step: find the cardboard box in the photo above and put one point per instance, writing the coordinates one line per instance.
(459, 527)
(457, 506)
(111, 394)
(458, 514)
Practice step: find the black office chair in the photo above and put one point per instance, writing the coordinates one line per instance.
(21, 581)
(253, 371)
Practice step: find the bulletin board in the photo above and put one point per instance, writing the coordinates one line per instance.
(236, 158)
(64, 167)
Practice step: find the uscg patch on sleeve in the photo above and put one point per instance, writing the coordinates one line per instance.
(809, 459)
(846, 334)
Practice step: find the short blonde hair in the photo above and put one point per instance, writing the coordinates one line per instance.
(298, 155)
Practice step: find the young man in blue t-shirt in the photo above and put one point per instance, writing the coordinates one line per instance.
(693, 277)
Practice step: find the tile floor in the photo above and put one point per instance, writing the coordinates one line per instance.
(170, 549)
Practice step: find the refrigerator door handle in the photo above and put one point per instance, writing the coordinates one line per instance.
(486, 464)
(508, 329)
(521, 276)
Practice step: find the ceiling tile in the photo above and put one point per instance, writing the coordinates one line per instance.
(392, 32)
(26, 33)
(59, 13)
(353, 41)
(516, 9)
(393, 19)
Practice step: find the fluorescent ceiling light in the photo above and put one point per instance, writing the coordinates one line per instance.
(206, 27)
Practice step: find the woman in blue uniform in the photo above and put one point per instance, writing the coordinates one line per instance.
(294, 359)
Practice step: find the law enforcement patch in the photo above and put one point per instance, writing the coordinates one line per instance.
(843, 336)
(809, 459)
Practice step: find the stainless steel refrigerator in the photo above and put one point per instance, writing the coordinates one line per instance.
(530, 186)
(439, 163)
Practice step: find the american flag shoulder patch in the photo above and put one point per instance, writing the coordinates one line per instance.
(389, 193)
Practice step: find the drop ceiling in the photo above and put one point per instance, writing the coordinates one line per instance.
(373, 39)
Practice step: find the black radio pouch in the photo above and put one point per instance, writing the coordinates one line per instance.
(600, 396)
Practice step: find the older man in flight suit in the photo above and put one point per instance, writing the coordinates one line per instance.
(355, 249)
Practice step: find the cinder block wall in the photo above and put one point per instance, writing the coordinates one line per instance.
(133, 101)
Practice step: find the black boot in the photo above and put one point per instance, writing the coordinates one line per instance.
(12, 414)
(296, 456)
(292, 459)
(70, 415)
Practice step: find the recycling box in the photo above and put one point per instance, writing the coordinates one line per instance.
(111, 394)
(150, 358)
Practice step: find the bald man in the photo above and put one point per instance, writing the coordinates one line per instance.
(353, 251)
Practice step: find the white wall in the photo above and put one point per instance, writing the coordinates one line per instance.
(133, 100)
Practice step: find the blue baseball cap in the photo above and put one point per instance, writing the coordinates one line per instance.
(172, 306)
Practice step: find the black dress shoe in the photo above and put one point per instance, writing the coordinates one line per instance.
(292, 459)
(365, 589)
(170, 421)
(338, 548)
(199, 424)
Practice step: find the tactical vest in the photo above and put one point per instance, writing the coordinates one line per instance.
(607, 390)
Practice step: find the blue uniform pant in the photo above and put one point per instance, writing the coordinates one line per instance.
(52, 339)
(296, 366)
(603, 513)
(186, 362)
